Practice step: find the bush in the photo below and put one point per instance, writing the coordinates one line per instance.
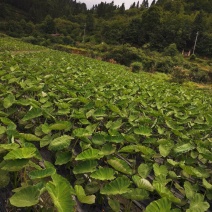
(124, 54)
(149, 64)
(2, 35)
(193, 57)
(165, 65)
(136, 66)
(30, 39)
(198, 75)
(179, 74)
(171, 50)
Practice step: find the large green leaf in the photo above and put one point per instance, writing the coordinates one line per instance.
(60, 143)
(165, 192)
(61, 125)
(82, 196)
(98, 139)
(160, 170)
(116, 124)
(85, 167)
(61, 193)
(14, 165)
(7, 122)
(120, 165)
(115, 138)
(161, 205)
(38, 174)
(21, 153)
(142, 183)
(26, 197)
(103, 174)
(205, 153)
(173, 125)
(206, 184)
(197, 204)
(108, 149)
(114, 204)
(9, 146)
(143, 130)
(2, 130)
(198, 171)
(118, 186)
(46, 140)
(172, 162)
(81, 132)
(9, 101)
(189, 190)
(129, 148)
(165, 147)
(29, 137)
(137, 194)
(89, 154)
(33, 113)
(183, 148)
(147, 151)
(63, 157)
(144, 170)
(45, 128)
(92, 187)
(114, 108)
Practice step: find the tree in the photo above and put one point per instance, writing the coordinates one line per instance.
(90, 24)
(153, 3)
(48, 25)
(122, 9)
(133, 5)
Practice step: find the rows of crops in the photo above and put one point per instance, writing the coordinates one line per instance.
(79, 133)
(12, 44)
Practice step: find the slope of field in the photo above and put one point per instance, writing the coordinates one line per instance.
(76, 128)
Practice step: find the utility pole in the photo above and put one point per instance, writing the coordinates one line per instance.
(195, 42)
(84, 33)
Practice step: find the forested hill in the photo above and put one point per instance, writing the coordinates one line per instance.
(155, 26)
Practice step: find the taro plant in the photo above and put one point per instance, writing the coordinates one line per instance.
(79, 133)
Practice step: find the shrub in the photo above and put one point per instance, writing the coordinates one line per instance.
(193, 57)
(179, 74)
(30, 39)
(136, 66)
(124, 54)
(165, 65)
(198, 75)
(149, 64)
(171, 50)
(2, 35)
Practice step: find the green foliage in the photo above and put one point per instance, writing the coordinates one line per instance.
(118, 186)
(60, 191)
(193, 57)
(108, 134)
(103, 174)
(162, 204)
(26, 197)
(171, 50)
(136, 66)
(82, 196)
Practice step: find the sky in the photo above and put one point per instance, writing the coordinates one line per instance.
(127, 3)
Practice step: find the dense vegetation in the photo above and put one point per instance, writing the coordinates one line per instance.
(77, 133)
(155, 26)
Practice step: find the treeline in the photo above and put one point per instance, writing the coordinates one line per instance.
(154, 26)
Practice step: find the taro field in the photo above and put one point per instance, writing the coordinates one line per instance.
(78, 134)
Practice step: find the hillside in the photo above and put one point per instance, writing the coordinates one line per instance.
(78, 134)
(155, 26)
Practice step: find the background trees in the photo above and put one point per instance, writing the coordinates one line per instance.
(157, 25)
